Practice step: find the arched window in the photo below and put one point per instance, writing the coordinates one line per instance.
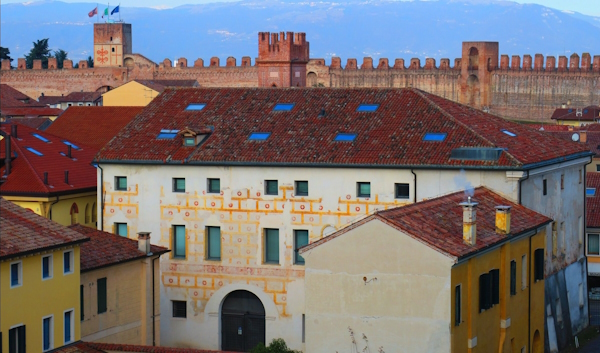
(94, 213)
(473, 59)
(88, 213)
(74, 213)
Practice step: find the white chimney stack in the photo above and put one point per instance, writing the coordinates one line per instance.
(144, 242)
(469, 221)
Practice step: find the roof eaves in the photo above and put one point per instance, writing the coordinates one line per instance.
(142, 256)
(39, 250)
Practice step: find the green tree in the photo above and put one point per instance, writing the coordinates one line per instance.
(60, 56)
(90, 61)
(5, 54)
(277, 345)
(40, 51)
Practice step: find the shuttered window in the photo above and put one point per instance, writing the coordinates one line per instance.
(271, 187)
(495, 277)
(485, 292)
(81, 302)
(101, 286)
(538, 271)
(16, 340)
(513, 277)
(457, 305)
(213, 244)
(300, 239)
(179, 242)
(272, 246)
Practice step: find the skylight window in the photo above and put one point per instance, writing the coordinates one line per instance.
(509, 133)
(40, 137)
(34, 151)
(70, 144)
(367, 108)
(345, 137)
(435, 136)
(283, 107)
(196, 106)
(476, 154)
(259, 136)
(167, 134)
(590, 191)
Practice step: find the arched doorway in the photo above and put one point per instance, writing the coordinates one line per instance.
(538, 347)
(311, 79)
(242, 321)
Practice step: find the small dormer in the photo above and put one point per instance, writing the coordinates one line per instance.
(194, 136)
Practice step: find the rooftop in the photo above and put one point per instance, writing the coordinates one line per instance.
(589, 113)
(391, 132)
(93, 126)
(34, 123)
(438, 222)
(106, 249)
(25, 232)
(591, 131)
(12, 98)
(81, 97)
(161, 85)
(593, 202)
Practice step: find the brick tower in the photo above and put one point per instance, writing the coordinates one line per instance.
(282, 59)
(478, 61)
(111, 42)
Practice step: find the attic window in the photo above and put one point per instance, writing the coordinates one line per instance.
(509, 133)
(590, 191)
(283, 107)
(70, 144)
(40, 137)
(435, 136)
(167, 134)
(259, 136)
(189, 141)
(476, 154)
(34, 151)
(367, 108)
(570, 110)
(345, 137)
(196, 106)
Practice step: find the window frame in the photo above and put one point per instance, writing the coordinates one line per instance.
(267, 181)
(544, 187)
(266, 235)
(298, 259)
(174, 182)
(358, 191)
(117, 225)
(50, 334)
(513, 277)
(117, 183)
(71, 313)
(296, 183)
(588, 242)
(19, 275)
(102, 309)
(19, 330)
(524, 271)
(50, 258)
(174, 243)
(71, 262)
(209, 185)
(173, 309)
(208, 243)
(458, 304)
(397, 188)
(538, 269)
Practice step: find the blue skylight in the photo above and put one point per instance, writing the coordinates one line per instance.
(34, 151)
(196, 106)
(590, 191)
(435, 136)
(367, 108)
(511, 134)
(345, 137)
(40, 137)
(283, 107)
(70, 144)
(167, 134)
(259, 136)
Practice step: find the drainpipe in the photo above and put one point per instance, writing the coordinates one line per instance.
(521, 186)
(587, 277)
(102, 198)
(153, 312)
(415, 193)
(529, 292)
(52, 204)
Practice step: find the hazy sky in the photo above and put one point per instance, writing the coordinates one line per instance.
(588, 7)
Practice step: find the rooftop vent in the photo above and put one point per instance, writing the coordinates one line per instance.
(13, 131)
(195, 106)
(46, 178)
(66, 177)
(476, 153)
(503, 219)
(435, 136)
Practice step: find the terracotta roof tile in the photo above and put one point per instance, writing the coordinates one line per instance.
(393, 135)
(34, 123)
(81, 97)
(589, 113)
(161, 85)
(94, 126)
(105, 249)
(50, 100)
(24, 231)
(11, 98)
(31, 111)
(593, 202)
(110, 347)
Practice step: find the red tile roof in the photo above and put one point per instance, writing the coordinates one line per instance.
(34, 123)
(161, 85)
(81, 97)
(11, 98)
(593, 202)
(50, 100)
(78, 347)
(106, 249)
(94, 126)
(27, 174)
(589, 113)
(391, 136)
(592, 136)
(31, 112)
(438, 222)
(110, 347)
(25, 232)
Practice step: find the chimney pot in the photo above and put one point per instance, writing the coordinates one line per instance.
(469, 221)
(46, 178)
(144, 242)
(13, 130)
(503, 219)
(66, 176)
(583, 136)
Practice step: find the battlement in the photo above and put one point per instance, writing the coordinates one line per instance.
(399, 64)
(574, 63)
(283, 46)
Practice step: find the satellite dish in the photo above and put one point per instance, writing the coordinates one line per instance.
(575, 137)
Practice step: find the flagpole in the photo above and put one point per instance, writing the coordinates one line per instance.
(108, 10)
(97, 15)
(119, 12)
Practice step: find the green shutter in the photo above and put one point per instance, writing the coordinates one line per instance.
(302, 188)
(272, 187)
(300, 239)
(179, 241)
(495, 286)
(513, 277)
(214, 243)
(101, 286)
(272, 245)
(81, 302)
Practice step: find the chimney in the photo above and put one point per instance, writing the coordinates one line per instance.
(583, 136)
(321, 113)
(69, 151)
(503, 219)
(564, 105)
(469, 221)
(13, 131)
(144, 242)
(8, 157)
(66, 176)
(45, 178)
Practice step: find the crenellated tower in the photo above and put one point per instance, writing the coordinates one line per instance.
(282, 59)
(479, 59)
(111, 42)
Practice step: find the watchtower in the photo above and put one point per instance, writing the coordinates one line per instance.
(282, 59)
(479, 59)
(111, 42)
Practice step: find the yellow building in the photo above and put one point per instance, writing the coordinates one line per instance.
(139, 93)
(39, 282)
(443, 275)
(48, 175)
(577, 116)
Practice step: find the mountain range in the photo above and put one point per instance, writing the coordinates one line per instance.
(349, 29)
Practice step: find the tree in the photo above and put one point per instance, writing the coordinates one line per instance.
(60, 56)
(40, 51)
(90, 61)
(5, 54)
(277, 345)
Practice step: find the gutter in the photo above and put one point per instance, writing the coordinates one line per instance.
(39, 250)
(101, 198)
(50, 211)
(521, 187)
(39, 194)
(141, 257)
(415, 194)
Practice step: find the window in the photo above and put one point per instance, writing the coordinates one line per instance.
(167, 134)
(214, 186)
(102, 300)
(509, 133)
(363, 189)
(561, 236)
(259, 136)
(562, 181)
(495, 275)
(121, 183)
(189, 141)
(524, 272)
(344, 137)
(300, 239)
(538, 272)
(74, 213)
(47, 267)
(34, 151)
(489, 289)
(71, 144)
(367, 108)
(598, 167)
(303, 328)
(594, 244)
(271, 187)
(435, 136)
(40, 137)
(283, 107)
(47, 333)
(81, 302)
(580, 176)
(178, 184)
(272, 246)
(457, 305)
(213, 243)
(545, 187)
(121, 229)
(301, 188)
(69, 326)
(476, 153)
(195, 106)
(68, 262)
(16, 339)
(590, 191)
(16, 274)
(178, 242)
(513, 277)
(402, 191)
(179, 308)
